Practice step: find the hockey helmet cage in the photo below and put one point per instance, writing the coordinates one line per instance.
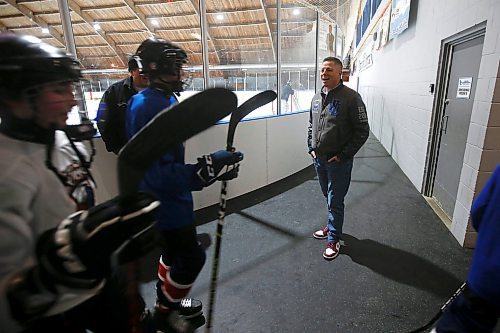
(158, 56)
(26, 62)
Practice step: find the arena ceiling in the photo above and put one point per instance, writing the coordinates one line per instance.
(107, 31)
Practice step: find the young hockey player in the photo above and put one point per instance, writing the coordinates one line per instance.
(477, 308)
(56, 271)
(172, 181)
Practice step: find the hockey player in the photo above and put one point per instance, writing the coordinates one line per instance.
(55, 265)
(172, 181)
(477, 308)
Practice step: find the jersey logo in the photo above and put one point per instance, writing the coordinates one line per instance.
(316, 106)
(362, 114)
(334, 107)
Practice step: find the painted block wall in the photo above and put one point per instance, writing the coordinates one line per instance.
(396, 91)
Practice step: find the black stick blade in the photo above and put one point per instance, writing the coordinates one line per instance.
(244, 109)
(171, 126)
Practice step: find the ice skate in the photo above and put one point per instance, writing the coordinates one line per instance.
(187, 317)
(171, 321)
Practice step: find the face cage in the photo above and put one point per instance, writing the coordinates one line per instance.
(32, 93)
(185, 80)
(188, 77)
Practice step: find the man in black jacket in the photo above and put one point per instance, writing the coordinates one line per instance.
(113, 107)
(338, 127)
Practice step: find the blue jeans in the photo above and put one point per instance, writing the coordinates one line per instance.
(334, 179)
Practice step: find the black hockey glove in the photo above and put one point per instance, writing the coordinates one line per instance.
(82, 247)
(221, 165)
(74, 258)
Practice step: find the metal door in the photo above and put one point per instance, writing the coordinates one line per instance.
(455, 121)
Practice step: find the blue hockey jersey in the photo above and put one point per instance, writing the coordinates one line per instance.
(484, 274)
(169, 178)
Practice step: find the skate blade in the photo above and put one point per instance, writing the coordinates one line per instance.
(179, 324)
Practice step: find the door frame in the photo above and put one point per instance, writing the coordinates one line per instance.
(442, 82)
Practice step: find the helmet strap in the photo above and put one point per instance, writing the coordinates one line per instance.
(168, 87)
(25, 129)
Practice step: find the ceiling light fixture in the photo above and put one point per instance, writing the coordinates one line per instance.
(196, 35)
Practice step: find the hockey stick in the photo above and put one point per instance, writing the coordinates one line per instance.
(169, 127)
(243, 110)
(441, 310)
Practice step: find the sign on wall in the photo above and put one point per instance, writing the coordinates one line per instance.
(464, 87)
(329, 39)
(399, 17)
(383, 29)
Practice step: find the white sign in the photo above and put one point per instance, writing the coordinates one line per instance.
(464, 87)
(400, 16)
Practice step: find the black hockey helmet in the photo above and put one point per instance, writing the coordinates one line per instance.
(132, 63)
(26, 62)
(158, 56)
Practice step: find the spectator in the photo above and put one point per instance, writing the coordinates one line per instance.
(112, 109)
(287, 91)
(338, 127)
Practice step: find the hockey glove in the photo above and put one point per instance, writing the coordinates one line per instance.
(221, 165)
(82, 246)
(74, 258)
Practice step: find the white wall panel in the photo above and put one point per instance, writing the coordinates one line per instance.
(274, 148)
(287, 145)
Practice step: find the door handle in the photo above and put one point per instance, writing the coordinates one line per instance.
(444, 124)
(444, 118)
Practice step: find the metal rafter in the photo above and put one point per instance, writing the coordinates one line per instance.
(298, 20)
(122, 32)
(239, 24)
(155, 2)
(140, 16)
(236, 10)
(87, 18)
(113, 6)
(13, 16)
(242, 37)
(36, 19)
(196, 9)
(268, 25)
(319, 8)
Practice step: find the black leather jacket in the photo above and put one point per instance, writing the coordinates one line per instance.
(111, 114)
(338, 123)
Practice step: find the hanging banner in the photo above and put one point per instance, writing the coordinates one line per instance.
(399, 17)
(383, 29)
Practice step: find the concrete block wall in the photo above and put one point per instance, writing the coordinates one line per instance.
(400, 105)
(482, 153)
